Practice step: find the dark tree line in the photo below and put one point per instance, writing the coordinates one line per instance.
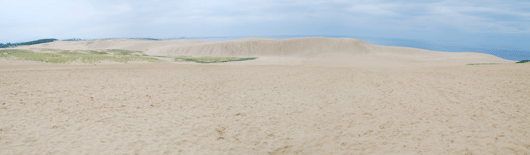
(40, 41)
(524, 61)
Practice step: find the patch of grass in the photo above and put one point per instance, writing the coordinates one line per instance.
(12, 51)
(244, 59)
(60, 51)
(67, 59)
(96, 52)
(523, 61)
(212, 59)
(114, 55)
(483, 63)
(72, 56)
(71, 53)
(122, 52)
(27, 55)
(100, 58)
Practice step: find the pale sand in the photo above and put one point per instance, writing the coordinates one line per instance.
(318, 96)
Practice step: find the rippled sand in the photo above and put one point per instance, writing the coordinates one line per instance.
(263, 109)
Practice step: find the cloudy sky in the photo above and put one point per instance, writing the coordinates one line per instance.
(470, 20)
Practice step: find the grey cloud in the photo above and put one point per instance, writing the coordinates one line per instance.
(101, 18)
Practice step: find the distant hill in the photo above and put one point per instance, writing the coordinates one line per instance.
(40, 41)
(78, 39)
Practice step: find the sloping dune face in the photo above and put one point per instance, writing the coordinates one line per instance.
(343, 51)
(300, 47)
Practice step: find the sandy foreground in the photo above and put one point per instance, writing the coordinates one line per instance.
(264, 108)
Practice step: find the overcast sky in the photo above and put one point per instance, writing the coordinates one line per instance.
(470, 20)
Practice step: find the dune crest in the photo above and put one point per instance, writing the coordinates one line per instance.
(299, 47)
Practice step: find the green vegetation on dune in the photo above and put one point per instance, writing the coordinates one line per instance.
(483, 63)
(100, 58)
(113, 55)
(72, 53)
(123, 52)
(96, 52)
(83, 56)
(27, 55)
(14, 51)
(524, 61)
(211, 59)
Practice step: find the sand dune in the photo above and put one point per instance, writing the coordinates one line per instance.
(344, 51)
(333, 99)
(301, 47)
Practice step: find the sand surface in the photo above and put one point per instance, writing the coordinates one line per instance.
(297, 101)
